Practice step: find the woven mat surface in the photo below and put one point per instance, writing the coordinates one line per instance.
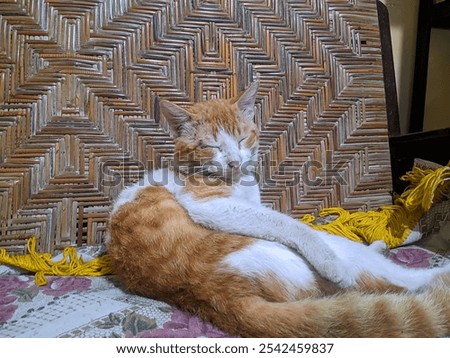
(80, 83)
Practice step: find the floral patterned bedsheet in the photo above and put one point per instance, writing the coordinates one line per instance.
(98, 307)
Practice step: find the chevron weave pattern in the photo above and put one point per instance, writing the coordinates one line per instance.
(80, 83)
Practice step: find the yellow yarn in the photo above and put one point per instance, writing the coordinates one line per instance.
(390, 223)
(70, 265)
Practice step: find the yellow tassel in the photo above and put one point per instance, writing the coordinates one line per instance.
(391, 223)
(70, 265)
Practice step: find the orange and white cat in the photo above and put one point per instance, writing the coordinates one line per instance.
(198, 237)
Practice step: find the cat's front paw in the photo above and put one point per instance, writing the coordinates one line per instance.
(330, 266)
(380, 247)
(335, 270)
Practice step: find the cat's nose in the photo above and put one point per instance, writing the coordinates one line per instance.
(234, 164)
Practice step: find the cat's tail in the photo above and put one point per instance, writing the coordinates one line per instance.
(352, 314)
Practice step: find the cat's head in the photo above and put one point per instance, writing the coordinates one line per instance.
(216, 137)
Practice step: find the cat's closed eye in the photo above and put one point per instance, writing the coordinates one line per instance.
(205, 146)
(242, 140)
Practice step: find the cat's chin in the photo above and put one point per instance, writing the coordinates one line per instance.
(233, 175)
(215, 175)
(239, 178)
(226, 175)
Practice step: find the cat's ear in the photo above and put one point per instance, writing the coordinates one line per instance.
(177, 117)
(246, 101)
